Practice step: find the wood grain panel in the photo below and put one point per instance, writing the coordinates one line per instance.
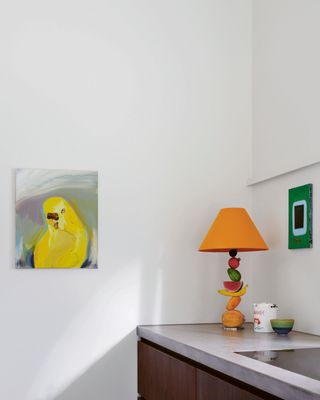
(163, 377)
(210, 387)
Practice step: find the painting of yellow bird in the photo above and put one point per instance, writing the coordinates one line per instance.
(64, 243)
(56, 219)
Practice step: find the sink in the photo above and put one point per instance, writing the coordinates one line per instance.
(301, 361)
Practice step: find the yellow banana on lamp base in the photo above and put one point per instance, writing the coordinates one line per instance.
(240, 293)
(232, 318)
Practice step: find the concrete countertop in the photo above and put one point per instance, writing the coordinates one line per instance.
(210, 345)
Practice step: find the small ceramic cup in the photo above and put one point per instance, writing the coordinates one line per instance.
(282, 326)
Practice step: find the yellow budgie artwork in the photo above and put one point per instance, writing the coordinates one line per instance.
(64, 244)
(56, 219)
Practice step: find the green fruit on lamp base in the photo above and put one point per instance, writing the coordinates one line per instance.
(234, 274)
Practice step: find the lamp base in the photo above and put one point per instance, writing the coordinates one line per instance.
(233, 319)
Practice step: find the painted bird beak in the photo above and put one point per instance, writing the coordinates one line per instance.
(53, 216)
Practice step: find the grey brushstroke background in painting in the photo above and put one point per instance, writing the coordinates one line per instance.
(33, 186)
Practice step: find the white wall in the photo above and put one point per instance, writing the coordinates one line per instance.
(289, 278)
(286, 95)
(286, 89)
(156, 95)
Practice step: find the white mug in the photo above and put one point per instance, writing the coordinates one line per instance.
(262, 313)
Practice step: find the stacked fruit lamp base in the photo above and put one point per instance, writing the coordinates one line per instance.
(234, 288)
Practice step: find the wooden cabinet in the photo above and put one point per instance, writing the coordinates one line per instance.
(163, 375)
(210, 387)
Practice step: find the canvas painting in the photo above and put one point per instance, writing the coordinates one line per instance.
(56, 218)
(300, 217)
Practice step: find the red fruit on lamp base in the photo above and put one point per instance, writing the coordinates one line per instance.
(232, 286)
(234, 262)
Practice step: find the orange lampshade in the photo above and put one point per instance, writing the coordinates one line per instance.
(233, 229)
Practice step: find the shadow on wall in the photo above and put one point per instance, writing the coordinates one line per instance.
(93, 341)
(98, 381)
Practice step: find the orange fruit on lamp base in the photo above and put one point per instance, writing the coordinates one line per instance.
(232, 319)
(233, 303)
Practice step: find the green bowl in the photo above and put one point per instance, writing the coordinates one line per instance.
(282, 326)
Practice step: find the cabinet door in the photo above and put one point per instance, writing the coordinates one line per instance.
(163, 377)
(210, 387)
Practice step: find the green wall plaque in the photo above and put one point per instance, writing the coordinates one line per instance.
(300, 217)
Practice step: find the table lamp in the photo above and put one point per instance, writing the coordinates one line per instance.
(232, 231)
